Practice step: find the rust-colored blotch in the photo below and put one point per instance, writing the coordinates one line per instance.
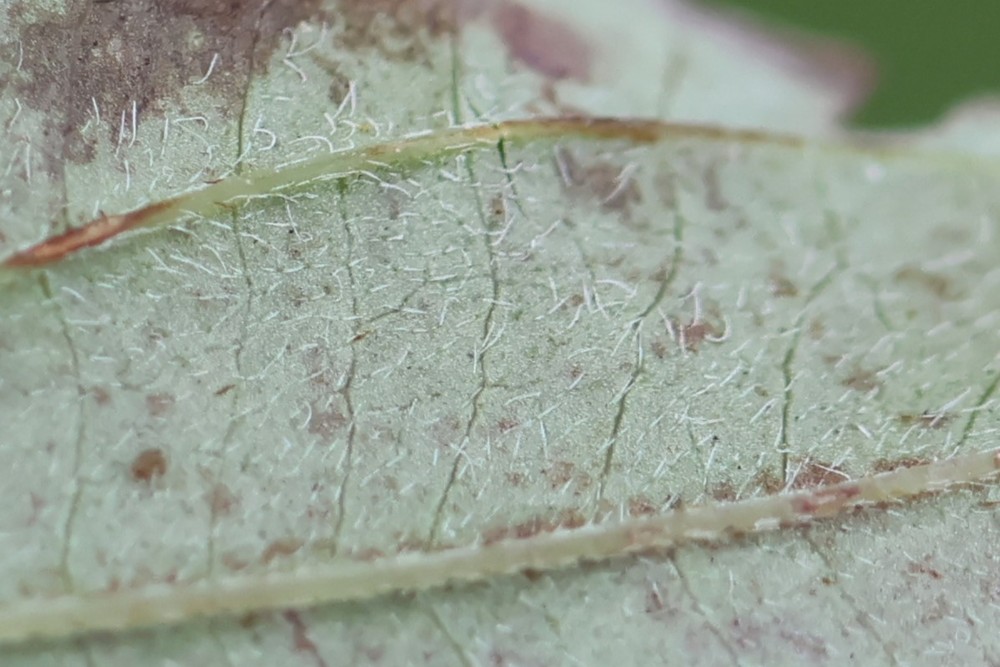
(149, 464)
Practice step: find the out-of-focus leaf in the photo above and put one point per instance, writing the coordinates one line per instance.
(527, 335)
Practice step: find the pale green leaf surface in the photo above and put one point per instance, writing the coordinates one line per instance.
(492, 345)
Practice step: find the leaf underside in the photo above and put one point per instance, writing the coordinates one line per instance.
(497, 342)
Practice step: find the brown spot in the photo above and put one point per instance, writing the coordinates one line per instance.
(221, 500)
(159, 404)
(542, 43)
(659, 348)
(326, 422)
(654, 601)
(368, 554)
(641, 506)
(233, 562)
(714, 200)
(612, 186)
(817, 473)
(935, 283)
(693, 334)
(924, 568)
(148, 465)
(782, 286)
(724, 492)
(505, 425)
(559, 473)
(284, 547)
(769, 482)
(318, 369)
(888, 465)
(300, 634)
(225, 390)
(826, 501)
(448, 430)
(101, 396)
(531, 574)
(498, 209)
(516, 478)
(926, 420)
(37, 505)
(398, 29)
(249, 621)
(862, 380)
(816, 329)
(568, 519)
(360, 336)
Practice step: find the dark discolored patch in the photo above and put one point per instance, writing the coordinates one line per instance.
(724, 492)
(692, 334)
(924, 568)
(810, 474)
(654, 600)
(782, 286)
(935, 283)
(888, 465)
(507, 424)
(612, 186)
(862, 380)
(321, 375)
(542, 43)
(516, 479)
(769, 482)
(283, 547)
(361, 335)
(397, 29)
(233, 562)
(568, 519)
(159, 404)
(221, 500)
(448, 430)
(497, 211)
(825, 502)
(562, 474)
(101, 396)
(143, 52)
(300, 634)
(816, 329)
(714, 199)
(926, 420)
(559, 473)
(148, 465)
(641, 506)
(326, 421)
(368, 554)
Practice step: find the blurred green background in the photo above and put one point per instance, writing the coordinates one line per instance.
(930, 55)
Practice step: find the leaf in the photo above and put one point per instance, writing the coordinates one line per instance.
(484, 343)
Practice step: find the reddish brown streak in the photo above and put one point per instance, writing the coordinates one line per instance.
(93, 233)
(827, 501)
(105, 227)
